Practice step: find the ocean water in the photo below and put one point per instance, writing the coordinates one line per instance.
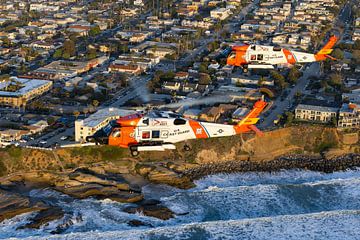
(292, 204)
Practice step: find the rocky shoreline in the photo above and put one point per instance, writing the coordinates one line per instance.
(104, 181)
(312, 163)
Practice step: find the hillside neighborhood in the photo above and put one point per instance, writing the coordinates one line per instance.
(69, 67)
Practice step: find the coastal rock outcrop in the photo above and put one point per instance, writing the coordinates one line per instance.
(101, 192)
(43, 217)
(151, 209)
(12, 204)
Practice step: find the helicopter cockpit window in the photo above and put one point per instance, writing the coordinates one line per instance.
(107, 129)
(146, 135)
(155, 134)
(116, 133)
(179, 121)
(260, 57)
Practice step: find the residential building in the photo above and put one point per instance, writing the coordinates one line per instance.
(88, 126)
(192, 113)
(160, 52)
(125, 68)
(172, 86)
(18, 91)
(250, 81)
(349, 116)
(220, 13)
(211, 114)
(315, 113)
(9, 136)
(240, 113)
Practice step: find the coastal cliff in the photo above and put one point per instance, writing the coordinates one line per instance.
(110, 172)
(302, 139)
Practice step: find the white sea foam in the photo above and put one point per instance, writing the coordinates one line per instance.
(222, 203)
(323, 225)
(280, 177)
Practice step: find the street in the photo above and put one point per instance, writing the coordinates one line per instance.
(279, 106)
(138, 84)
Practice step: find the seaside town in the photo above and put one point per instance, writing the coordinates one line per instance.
(179, 119)
(69, 67)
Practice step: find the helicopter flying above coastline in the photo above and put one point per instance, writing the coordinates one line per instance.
(265, 57)
(159, 130)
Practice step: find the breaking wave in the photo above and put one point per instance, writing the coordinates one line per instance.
(283, 205)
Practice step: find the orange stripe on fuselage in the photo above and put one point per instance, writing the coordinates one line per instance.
(289, 56)
(198, 129)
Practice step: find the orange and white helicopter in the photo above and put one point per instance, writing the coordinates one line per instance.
(265, 57)
(159, 130)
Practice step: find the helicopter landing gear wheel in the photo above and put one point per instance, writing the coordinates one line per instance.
(187, 148)
(134, 153)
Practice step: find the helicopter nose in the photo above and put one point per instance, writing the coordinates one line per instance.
(103, 140)
(90, 139)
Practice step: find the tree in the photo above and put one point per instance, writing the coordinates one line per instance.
(123, 48)
(278, 79)
(76, 114)
(203, 67)
(91, 54)
(22, 69)
(338, 53)
(205, 79)
(334, 121)
(293, 75)
(335, 79)
(58, 53)
(289, 117)
(66, 55)
(356, 56)
(85, 111)
(69, 49)
(50, 120)
(6, 42)
(356, 45)
(261, 81)
(95, 103)
(94, 31)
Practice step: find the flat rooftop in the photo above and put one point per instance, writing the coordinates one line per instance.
(101, 115)
(28, 85)
(316, 108)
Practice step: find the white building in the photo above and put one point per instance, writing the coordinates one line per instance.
(87, 127)
(315, 113)
(250, 81)
(220, 13)
(349, 116)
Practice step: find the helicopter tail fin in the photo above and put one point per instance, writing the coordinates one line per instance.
(326, 50)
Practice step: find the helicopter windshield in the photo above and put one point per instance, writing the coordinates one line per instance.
(107, 129)
(116, 133)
